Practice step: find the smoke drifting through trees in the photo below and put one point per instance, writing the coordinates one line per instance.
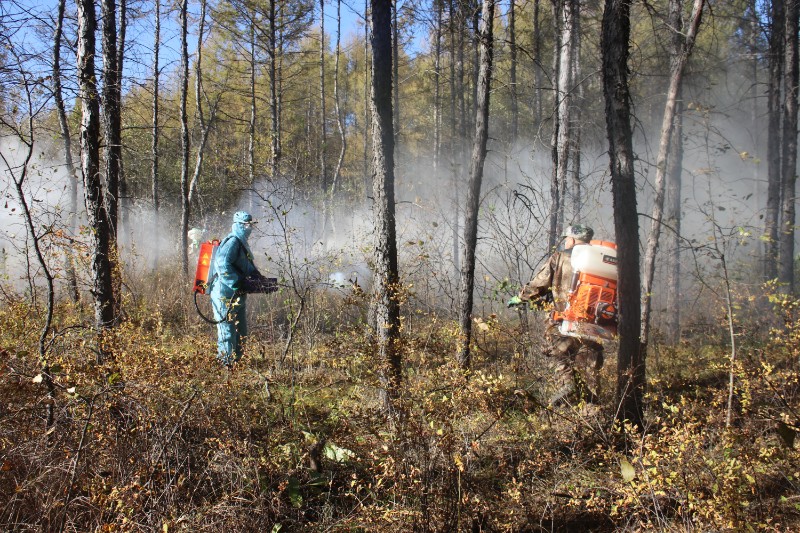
(720, 154)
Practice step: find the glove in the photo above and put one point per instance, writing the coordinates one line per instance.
(514, 302)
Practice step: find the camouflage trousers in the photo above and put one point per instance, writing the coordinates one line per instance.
(577, 365)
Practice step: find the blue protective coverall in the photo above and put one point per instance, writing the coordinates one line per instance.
(232, 263)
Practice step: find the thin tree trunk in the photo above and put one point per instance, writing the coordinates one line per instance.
(339, 120)
(123, 184)
(72, 220)
(474, 190)
(776, 63)
(786, 237)
(251, 129)
(565, 82)
(555, 189)
(156, 128)
(396, 74)
(537, 68)
(199, 93)
(680, 55)
(672, 322)
(323, 165)
(615, 43)
(367, 177)
(512, 44)
(273, 96)
(387, 280)
(184, 79)
(456, 88)
(98, 219)
(437, 89)
(111, 113)
(576, 116)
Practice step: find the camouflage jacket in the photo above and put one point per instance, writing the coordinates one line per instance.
(553, 279)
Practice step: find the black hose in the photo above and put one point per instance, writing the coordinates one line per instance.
(205, 318)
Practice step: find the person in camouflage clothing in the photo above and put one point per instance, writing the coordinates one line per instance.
(577, 361)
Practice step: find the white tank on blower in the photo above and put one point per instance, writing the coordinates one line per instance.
(599, 258)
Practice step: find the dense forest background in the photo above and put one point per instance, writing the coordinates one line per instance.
(385, 384)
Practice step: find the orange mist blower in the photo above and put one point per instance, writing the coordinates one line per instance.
(205, 262)
(204, 275)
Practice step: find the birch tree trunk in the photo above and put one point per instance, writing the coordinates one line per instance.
(680, 56)
(474, 189)
(615, 43)
(387, 280)
(788, 193)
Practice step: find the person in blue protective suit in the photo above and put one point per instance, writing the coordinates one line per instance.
(233, 263)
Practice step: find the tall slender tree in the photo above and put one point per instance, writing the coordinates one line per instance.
(387, 279)
(98, 219)
(184, 88)
(156, 127)
(680, 55)
(776, 63)
(475, 181)
(615, 43)
(66, 139)
(789, 165)
(112, 112)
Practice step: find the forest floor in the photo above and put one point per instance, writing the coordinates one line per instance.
(156, 436)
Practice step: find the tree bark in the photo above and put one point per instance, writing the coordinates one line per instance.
(111, 113)
(565, 82)
(72, 216)
(437, 89)
(154, 170)
(184, 80)
(339, 119)
(555, 189)
(776, 63)
(273, 94)
(199, 93)
(786, 237)
(672, 242)
(512, 44)
(474, 190)
(98, 219)
(615, 41)
(387, 279)
(367, 177)
(680, 55)
(323, 165)
(537, 68)
(576, 116)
